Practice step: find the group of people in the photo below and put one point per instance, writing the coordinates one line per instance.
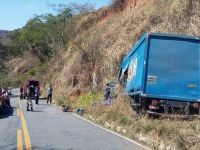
(4, 98)
(28, 96)
(36, 92)
(109, 92)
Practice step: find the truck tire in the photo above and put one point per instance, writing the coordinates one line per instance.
(134, 105)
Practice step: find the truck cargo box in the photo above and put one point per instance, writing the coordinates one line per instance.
(163, 66)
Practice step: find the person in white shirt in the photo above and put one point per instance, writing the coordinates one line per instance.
(7, 99)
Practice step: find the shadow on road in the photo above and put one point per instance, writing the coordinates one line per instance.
(41, 104)
(7, 112)
(14, 96)
(37, 111)
(9, 146)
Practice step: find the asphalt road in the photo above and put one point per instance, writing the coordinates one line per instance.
(48, 128)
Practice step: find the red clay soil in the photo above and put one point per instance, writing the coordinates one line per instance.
(134, 3)
(105, 12)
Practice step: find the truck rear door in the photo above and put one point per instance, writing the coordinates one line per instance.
(173, 68)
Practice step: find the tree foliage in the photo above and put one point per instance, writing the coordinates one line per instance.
(4, 53)
(15, 47)
(36, 39)
(44, 35)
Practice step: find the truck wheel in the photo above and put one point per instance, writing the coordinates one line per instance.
(140, 106)
(134, 105)
(135, 108)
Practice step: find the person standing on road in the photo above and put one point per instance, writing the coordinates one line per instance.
(7, 99)
(37, 93)
(21, 92)
(50, 91)
(29, 102)
(2, 101)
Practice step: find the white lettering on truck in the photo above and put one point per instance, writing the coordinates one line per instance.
(132, 69)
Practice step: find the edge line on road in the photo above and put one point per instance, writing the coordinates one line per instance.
(147, 148)
(26, 135)
(18, 114)
(19, 140)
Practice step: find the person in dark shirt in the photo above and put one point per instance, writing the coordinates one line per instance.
(50, 91)
(107, 92)
(21, 92)
(37, 93)
(111, 94)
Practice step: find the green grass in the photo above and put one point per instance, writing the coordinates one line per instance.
(89, 99)
(60, 102)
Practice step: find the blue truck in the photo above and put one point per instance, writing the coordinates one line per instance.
(162, 74)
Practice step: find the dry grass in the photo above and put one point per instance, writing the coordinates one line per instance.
(159, 133)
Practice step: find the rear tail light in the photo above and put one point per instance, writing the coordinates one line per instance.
(196, 105)
(154, 102)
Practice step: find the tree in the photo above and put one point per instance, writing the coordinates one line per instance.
(67, 19)
(64, 17)
(35, 36)
(15, 47)
(91, 57)
(4, 53)
(44, 34)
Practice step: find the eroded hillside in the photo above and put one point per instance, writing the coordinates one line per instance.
(107, 42)
(102, 49)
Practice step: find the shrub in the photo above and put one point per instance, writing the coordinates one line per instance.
(32, 72)
(89, 22)
(11, 82)
(16, 82)
(123, 121)
(89, 99)
(59, 102)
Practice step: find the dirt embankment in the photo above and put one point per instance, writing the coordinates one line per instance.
(106, 12)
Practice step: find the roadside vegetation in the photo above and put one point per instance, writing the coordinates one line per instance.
(90, 45)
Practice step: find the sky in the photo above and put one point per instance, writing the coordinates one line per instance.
(14, 14)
